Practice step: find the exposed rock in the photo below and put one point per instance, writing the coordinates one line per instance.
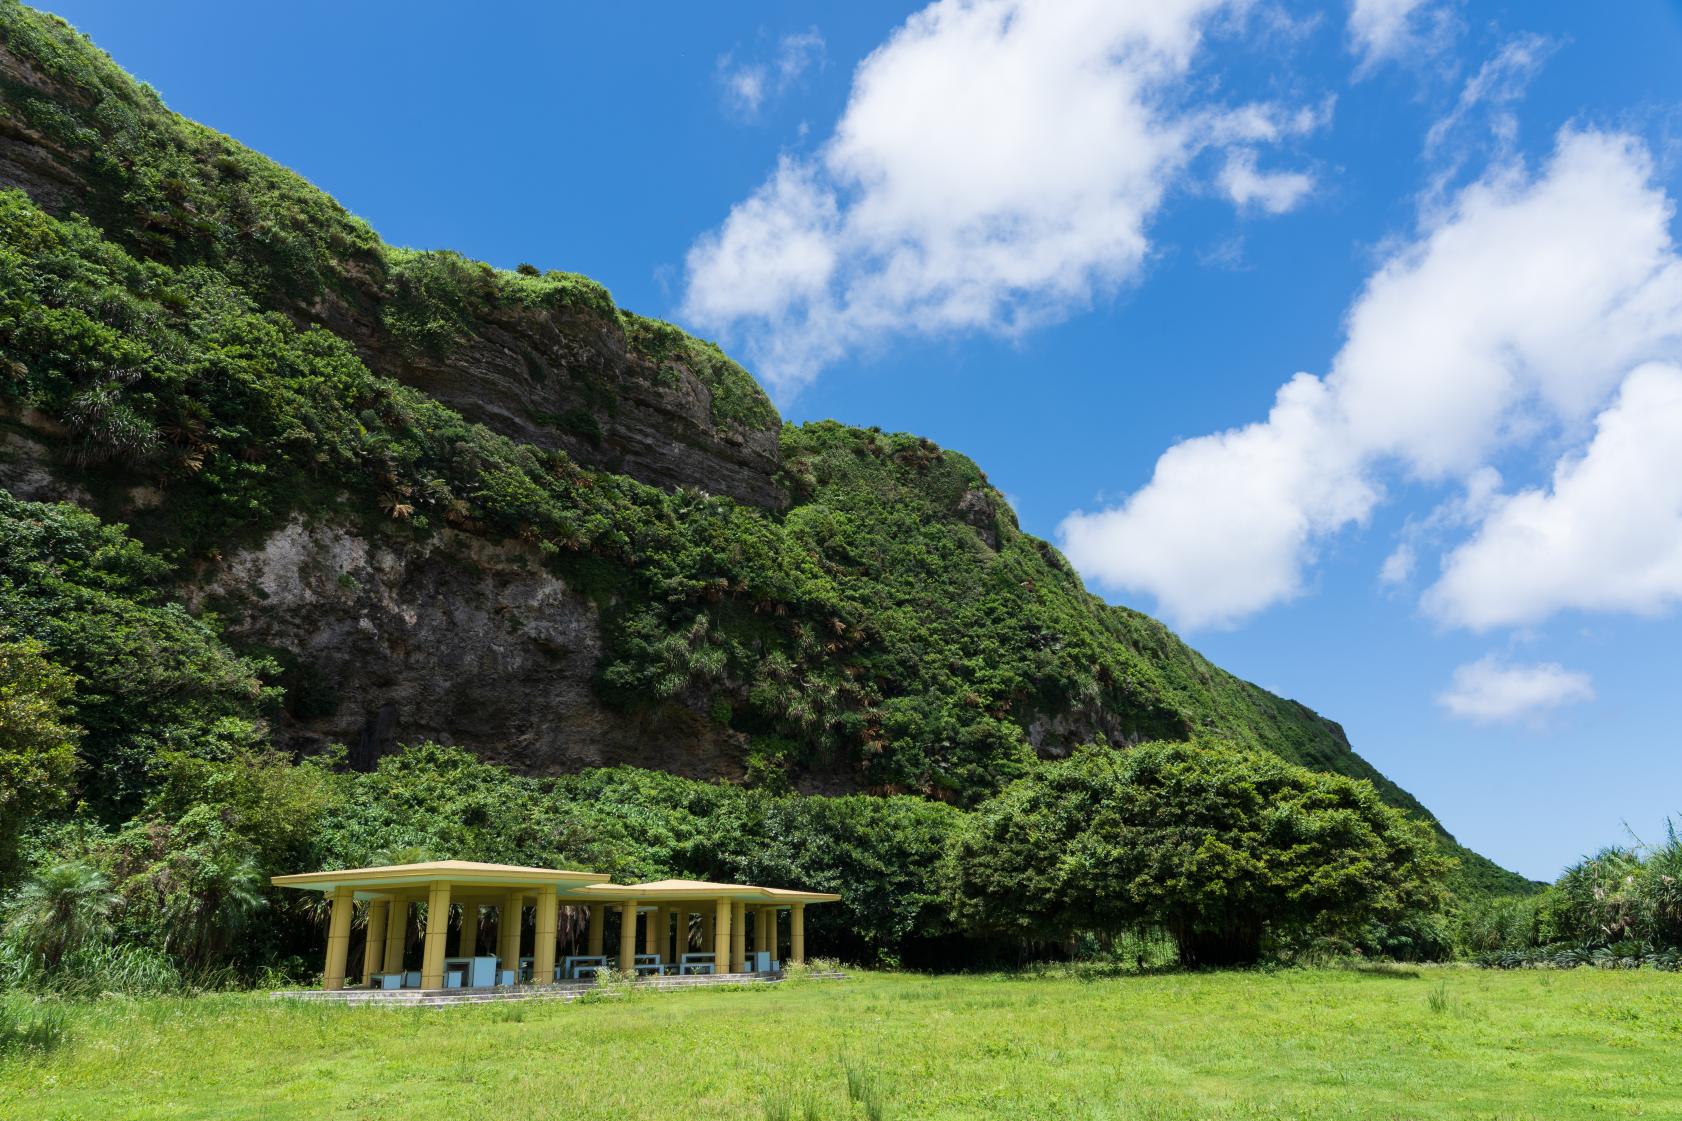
(27, 470)
(534, 375)
(456, 640)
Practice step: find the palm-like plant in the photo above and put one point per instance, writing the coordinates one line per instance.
(64, 906)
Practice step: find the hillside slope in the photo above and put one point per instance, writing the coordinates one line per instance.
(436, 500)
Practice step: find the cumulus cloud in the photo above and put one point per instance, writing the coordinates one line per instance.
(1517, 311)
(1397, 30)
(1264, 492)
(1491, 691)
(1605, 536)
(749, 86)
(998, 164)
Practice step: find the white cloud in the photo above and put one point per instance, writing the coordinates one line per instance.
(998, 164)
(1499, 83)
(749, 86)
(1482, 124)
(1399, 565)
(1490, 691)
(1274, 192)
(1606, 536)
(1397, 30)
(1516, 312)
(1226, 524)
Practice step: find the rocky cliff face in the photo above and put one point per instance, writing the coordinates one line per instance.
(455, 640)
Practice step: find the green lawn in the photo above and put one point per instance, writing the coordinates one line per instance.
(1450, 1042)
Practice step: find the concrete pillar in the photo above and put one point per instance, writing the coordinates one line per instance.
(469, 944)
(508, 931)
(738, 937)
(373, 950)
(543, 954)
(650, 928)
(627, 936)
(797, 934)
(396, 935)
(598, 919)
(338, 938)
(437, 930)
(762, 931)
(721, 936)
(680, 932)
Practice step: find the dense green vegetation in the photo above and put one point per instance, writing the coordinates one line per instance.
(872, 624)
(894, 619)
(1619, 908)
(159, 334)
(1334, 1045)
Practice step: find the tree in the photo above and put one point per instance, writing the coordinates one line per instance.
(1214, 846)
(63, 907)
(37, 738)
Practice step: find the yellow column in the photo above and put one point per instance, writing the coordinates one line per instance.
(508, 931)
(651, 924)
(373, 950)
(738, 937)
(762, 930)
(469, 945)
(721, 936)
(680, 933)
(598, 917)
(543, 954)
(627, 936)
(396, 934)
(437, 930)
(338, 938)
(797, 934)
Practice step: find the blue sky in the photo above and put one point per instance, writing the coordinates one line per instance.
(1094, 248)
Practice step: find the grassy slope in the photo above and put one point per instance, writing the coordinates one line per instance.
(946, 648)
(1201, 1047)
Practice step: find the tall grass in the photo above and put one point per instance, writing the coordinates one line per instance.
(30, 1026)
(103, 969)
(866, 1092)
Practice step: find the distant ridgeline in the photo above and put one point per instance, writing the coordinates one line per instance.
(325, 491)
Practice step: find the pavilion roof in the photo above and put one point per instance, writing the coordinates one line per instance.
(654, 891)
(464, 872)
(469, 878)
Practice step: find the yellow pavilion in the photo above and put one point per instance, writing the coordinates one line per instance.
(739, 927)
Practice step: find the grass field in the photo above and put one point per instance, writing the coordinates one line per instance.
(1448, 1042)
